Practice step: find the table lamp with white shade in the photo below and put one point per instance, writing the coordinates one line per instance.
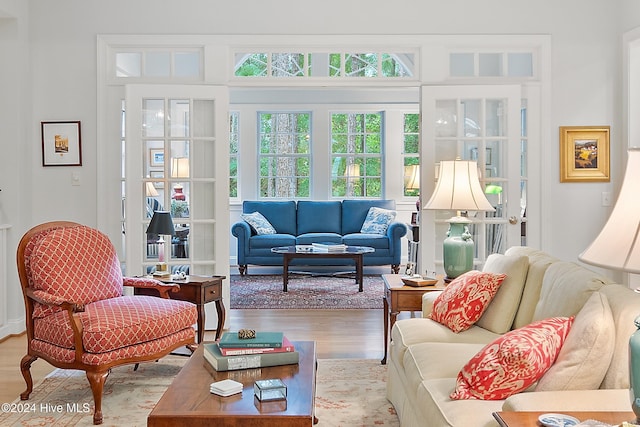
(617, 247)
(458, 188)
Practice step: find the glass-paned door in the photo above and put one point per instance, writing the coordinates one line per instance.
(481, 123)
(177, 160)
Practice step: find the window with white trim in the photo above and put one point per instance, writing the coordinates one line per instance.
(356, 154)
(284, 154)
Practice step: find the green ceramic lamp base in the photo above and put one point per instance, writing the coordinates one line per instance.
(458, 248)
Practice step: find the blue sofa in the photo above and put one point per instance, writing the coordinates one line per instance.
(306, 222)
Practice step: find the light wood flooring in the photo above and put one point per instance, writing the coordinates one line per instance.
(348, 334)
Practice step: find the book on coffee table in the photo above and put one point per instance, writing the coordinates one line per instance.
(222, 363)
(262, 339)
(329, 247)
(236, 351)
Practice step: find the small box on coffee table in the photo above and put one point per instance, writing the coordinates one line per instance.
(271, 389)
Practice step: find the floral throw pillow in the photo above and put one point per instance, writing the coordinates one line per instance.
(259, 223)
(464, 300)
(512, 362)
(377, 220)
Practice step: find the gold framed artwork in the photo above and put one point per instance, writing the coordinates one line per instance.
(61, 144)
(584, 154)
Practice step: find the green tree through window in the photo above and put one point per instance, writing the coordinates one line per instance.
(284, 154)
(356, 154)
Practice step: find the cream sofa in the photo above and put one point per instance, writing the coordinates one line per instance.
(590, 373)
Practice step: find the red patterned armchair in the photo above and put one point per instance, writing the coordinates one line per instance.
(76, 314)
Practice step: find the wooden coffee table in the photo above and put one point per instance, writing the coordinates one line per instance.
(188, 402)
(530, 419)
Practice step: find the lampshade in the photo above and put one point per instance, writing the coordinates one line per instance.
(458, 188)
(180, 167)
(161, 223)
(412, 177)
(151, 189)
(352, 171)
(618, 244)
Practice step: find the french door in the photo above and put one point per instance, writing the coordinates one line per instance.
(177, 160)
(485, 124)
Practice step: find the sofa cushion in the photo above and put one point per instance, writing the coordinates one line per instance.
(354, 213)
(56, 276)
(281, 214)
(435, 406)
(376, 241)
(586, 353)
(501, 312)
(625, 306)
(258, 223)
(407, 332)
(114, 323)
(377, 221)
(464, 300)
(512, 362)
(539, 261)
(319, 217)
(268, 241)
(613, 400)
(436, 360)
(309, 238)
(566, 287)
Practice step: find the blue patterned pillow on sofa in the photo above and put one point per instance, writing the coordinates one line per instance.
(377, 221)
(259, 223)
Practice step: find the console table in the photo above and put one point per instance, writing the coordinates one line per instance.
(399, 297)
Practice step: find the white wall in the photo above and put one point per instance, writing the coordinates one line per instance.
(50, 50)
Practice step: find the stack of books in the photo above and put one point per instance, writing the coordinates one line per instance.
(266, 349)
(328, 247)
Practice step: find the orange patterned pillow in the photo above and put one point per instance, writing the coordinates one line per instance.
(464, 300)
(513, 361)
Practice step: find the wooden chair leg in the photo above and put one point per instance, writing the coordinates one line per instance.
(25, 367)
(97, 380)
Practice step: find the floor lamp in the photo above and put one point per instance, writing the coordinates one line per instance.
(617, 247)
(458, 189)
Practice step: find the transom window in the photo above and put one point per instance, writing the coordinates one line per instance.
(356, 154)
(363, 64)
(284, 154)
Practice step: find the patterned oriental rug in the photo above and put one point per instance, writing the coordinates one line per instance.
(349, 392)
(305, 292)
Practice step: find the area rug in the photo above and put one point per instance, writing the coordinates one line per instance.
(304, 292)
(350, 392)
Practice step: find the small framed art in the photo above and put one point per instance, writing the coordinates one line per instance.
(61, 144)
(584, 154)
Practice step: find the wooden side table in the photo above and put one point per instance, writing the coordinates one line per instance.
(397, 298)
(530, 419)
(198, 290)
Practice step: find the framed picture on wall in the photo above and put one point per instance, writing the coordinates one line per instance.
(156, 157)
(61, 144)
(584, 154)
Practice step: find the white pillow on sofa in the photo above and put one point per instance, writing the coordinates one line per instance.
(586, 354)
(258, 223)
(377, 220)
(499, 315)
